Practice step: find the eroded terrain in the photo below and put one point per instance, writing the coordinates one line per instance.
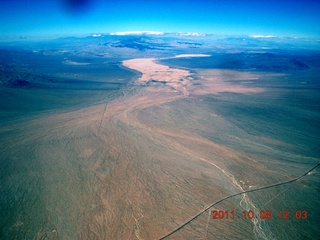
(139, 164)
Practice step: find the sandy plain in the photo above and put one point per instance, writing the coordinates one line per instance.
(138, 166)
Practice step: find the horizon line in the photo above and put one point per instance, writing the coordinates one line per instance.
(97, 34)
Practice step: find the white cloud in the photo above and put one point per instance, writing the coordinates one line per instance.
(156, 33)
(137, 33)
(189, 34)
(261, 36)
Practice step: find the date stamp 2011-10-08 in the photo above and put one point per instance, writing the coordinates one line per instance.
(263, 214)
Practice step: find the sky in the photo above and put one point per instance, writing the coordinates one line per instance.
(292, 18)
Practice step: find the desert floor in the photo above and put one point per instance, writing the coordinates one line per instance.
(139, 164)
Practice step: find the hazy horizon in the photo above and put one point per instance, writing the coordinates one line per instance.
(196, 36)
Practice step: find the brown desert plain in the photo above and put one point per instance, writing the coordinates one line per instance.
(139, 165)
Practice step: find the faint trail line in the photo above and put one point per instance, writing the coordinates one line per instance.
(233, 195)
(104, 111)
(276, 196)
(209, 215)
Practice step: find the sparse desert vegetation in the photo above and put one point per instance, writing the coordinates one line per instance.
(133, 145)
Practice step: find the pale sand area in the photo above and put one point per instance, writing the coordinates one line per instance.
(177, 79)
(217, 81)
(185, 82)
(191, 55)
(154, 71)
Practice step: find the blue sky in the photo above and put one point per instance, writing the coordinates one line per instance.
(294, 18)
